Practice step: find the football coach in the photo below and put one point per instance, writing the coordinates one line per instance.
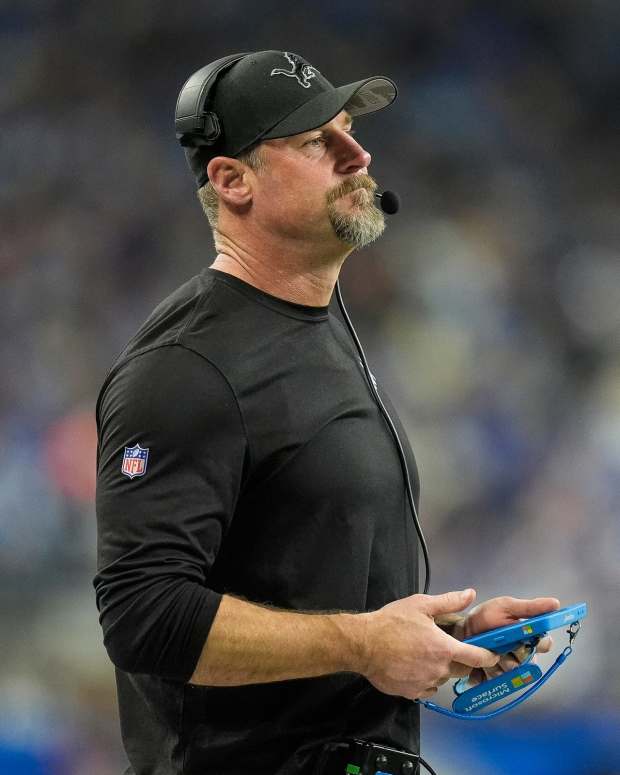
(257, 559)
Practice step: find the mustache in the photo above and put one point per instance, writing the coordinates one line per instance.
(351, 184)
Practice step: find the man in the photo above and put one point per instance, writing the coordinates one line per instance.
(257, 560)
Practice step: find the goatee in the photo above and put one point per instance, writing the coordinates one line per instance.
(359, 225)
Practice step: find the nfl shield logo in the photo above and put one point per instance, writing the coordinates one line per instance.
(134, 461)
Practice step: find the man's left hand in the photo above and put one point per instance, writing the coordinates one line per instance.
(498, 612)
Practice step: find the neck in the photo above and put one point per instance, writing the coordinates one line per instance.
(287, 272)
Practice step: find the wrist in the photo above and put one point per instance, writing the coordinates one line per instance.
(353, 636)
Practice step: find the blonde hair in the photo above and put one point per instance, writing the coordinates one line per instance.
(207, 195)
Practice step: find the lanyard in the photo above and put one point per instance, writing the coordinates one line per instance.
(468, 703)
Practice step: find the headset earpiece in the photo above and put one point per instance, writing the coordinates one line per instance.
(194, 125)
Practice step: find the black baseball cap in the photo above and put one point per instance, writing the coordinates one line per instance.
(270, 94)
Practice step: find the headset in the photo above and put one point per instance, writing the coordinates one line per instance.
(194, 125)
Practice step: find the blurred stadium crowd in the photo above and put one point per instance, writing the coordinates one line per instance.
(490, 310)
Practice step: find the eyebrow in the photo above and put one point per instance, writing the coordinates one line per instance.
(348, 122)
(323, 132)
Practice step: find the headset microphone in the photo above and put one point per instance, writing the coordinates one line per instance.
(389, 202)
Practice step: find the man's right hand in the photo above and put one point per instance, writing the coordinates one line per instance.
(407, 654)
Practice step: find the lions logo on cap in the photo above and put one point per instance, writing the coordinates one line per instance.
(301, 71)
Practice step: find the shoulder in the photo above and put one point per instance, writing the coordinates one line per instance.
(169, 385)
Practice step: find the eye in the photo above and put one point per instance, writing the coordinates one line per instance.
(316, 141)
(322, 140)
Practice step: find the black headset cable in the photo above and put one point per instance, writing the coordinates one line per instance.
(399, 446)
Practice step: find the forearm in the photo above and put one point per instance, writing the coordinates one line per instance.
(249, 643)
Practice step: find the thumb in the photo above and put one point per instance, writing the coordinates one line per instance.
(449, 602)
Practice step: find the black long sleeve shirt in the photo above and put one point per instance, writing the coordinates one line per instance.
(264, 470)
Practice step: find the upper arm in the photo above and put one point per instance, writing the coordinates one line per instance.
(159, 531)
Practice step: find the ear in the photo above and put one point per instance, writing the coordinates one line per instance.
(229, 177)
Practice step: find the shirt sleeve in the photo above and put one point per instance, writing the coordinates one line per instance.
(163, 506)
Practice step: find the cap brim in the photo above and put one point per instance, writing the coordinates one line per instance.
(357, 98)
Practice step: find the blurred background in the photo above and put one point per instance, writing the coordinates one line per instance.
(490, 310)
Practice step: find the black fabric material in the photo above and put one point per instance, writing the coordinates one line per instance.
(270, 94)
(271, 475)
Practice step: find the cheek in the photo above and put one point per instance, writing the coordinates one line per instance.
(300, 200)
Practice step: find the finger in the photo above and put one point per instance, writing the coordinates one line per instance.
(474, 656)
(521, 653)
(476, 677)
(545, 644)
(449, 602)
(457, 670)
(448, 622)
(508, 662)
(523, 609)
(492, 672)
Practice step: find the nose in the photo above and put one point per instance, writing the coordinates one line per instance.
(351, 157)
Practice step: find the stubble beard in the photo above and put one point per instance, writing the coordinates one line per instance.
(359, 225)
